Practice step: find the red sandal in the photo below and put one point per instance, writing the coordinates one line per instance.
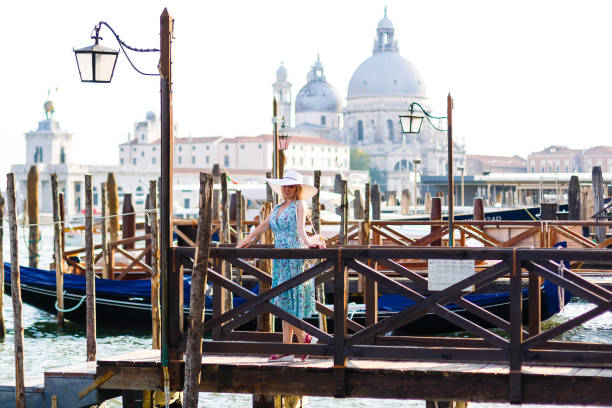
(308, 339)
(281, 357)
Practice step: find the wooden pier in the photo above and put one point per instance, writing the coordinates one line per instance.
(370, 356)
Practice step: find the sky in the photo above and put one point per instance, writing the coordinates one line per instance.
(523, 74)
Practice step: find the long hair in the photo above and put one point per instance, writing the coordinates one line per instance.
(298, 192)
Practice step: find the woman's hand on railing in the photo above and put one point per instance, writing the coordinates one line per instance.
(316, 241)
(248, 240)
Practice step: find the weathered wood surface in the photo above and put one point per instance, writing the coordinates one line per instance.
(58, 256)
(128, 219)
(193, 353)
(573, 198)
(376, 202)
(344, 212)
(113, 206)
(106, 272)
(155, 275)
(598, 202)
(16, 293)
(358, 212)
(478, 382)
(33, 219)
(405, 202)
(265, 322)
(90, 276)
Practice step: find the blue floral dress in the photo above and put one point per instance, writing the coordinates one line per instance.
(298, 300)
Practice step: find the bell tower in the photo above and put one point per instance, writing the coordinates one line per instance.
(282, 93)
(48, 143)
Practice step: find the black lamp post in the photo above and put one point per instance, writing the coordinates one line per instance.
(412, 124)
(96, 64)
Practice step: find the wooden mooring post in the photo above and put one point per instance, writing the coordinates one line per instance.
(316, 205)
(33, 218)
(598, 202)
(226, 267)
(128, 226)
(155, 298)
(344, 213)
(16, 293)
(216, 172)
(62, 214)
(90, 276)
(265, 322)
(358, 206)
(436, 215)
(316, 226)
(113, 206)
(2, 322)
(58, 254)
(193, 352)
(106, 270)
(573, 199)
(376, 202)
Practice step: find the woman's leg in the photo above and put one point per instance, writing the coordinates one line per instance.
(287, 332)
(300, 334)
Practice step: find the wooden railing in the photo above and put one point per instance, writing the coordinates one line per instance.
(539, 234)
(510, 344)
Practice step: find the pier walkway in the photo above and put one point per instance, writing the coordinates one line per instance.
(502, 361)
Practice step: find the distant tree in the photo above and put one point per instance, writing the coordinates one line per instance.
(360, 160)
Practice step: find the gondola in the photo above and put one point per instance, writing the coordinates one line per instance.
(127, 303)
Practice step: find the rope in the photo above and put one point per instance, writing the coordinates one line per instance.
(83, 218)
(72, 309)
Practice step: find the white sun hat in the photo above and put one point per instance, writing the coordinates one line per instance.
(292, 178)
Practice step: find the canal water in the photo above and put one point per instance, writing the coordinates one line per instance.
(46, 347)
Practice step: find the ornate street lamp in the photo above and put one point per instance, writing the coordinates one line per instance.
(283, 136)
(96, 64)
(412, 124)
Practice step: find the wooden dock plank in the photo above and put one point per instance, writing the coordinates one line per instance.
(84, 370)
(370, 378)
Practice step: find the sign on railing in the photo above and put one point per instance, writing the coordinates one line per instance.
(443, 273)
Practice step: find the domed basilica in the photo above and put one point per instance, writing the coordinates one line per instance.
(381, 88)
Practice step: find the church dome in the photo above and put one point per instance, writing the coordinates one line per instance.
(385, 22)
(281, 73)
(318, 95)
(386, 74)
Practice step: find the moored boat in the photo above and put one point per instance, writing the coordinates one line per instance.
(127, 303)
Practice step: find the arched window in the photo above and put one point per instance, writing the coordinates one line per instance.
(360, 130)
(391, 129)
(62, 155)
(402, 165)
(226, 161)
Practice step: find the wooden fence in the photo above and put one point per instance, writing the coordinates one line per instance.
(495, 339)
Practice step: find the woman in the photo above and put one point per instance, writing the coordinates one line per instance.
(287, 222)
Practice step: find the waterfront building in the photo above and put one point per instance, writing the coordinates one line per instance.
(244, 158)
(562, 159)
(479, 164)
(380, 89)
(49, 148)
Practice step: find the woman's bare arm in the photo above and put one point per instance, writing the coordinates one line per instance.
(301, 222)
(254, 235)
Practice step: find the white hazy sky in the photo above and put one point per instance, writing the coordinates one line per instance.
(524, 74)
